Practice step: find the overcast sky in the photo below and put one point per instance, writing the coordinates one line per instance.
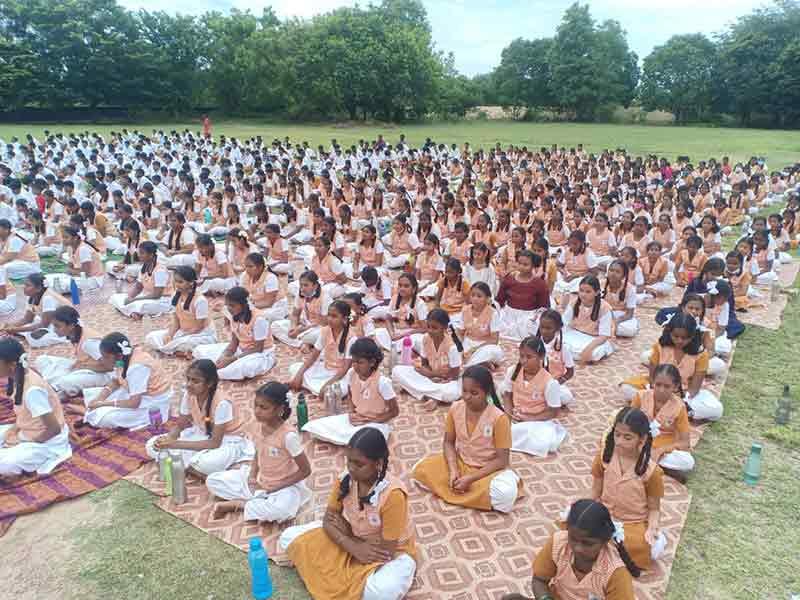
(476, 31)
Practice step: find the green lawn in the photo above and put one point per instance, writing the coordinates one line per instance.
(779, 147)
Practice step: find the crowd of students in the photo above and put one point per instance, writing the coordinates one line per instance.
(384, 249)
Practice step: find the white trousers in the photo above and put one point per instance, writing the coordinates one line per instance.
(315, 376)
(233, 449)
(129, 272)
(279, 506)
(491, 353)
(577, 341)
(60, 283)
(115, 245)
(44, 251)
(178, 260)
(395, 262)
(51, 338)
(8, 304)
(625, 329)
(181, 342)
(420, 386)
(337, 429)
(390, 581)
(705, 405)
(217, 285)
(20, 269)
(518, 324)
(29, 457)
(58, 372)
(280, 331)
(538, 438)
(245, 367)
(151, 308)
(127, 418)
(677, 460)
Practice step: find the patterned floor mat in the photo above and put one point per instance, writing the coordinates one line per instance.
(464, 554)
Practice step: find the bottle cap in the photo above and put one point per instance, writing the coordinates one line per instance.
(120, 364)
(255, 543)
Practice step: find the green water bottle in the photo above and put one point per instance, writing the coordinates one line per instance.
(302, 412)
(783, 409)
(752, 468)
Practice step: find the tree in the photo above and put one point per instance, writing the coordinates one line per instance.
(524, 76)
(618, 65)
(679, 77)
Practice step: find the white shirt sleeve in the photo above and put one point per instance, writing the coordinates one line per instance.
(220, 257)
(568, 314)
(294, 446)
(605, 324)
(37, 401)
(724, 315)
(385, 388)
(413, 241)
(552, 394)
(318, 343)
(16, 244)
(138, 376)
(223, 413)
(336, 267)
(201, 308)
(453, 357)
(440, 264)
(379, 249)
(270, 283)
(591, 259)
(161, 278)
(369, 327)
(612, 241)
(566, 356)
(260, 329)
(497, 323)
(84, 254)
(184, 408)
(638, 276)
(421, 309)
(49, 304)
(630, 300)
(3, 280)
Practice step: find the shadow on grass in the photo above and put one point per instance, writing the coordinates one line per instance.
(144, 553)
(741, 541)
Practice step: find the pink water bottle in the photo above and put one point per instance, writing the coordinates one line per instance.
(405, 356)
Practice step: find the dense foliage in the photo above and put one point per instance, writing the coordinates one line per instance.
(381, 62)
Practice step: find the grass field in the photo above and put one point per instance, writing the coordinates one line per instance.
(779, 147)
(739, 542)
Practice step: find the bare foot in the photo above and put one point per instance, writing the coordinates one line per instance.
(137, 316)
(196, 474)
(223, 508)
(429, 404)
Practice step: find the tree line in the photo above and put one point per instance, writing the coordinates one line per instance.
(381, 62)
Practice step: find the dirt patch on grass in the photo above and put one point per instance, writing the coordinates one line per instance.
(38, 549)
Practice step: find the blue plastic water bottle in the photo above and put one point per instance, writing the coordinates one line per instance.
(259, 570)
(208, 216)
(74, 292)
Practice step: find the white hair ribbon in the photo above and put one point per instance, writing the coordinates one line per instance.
(655, 428)
(125, 348)
(619, 532)
(711, 288)
(23, 360)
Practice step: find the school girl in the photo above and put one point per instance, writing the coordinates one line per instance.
(329, 359)
(364, 547)
(328, 267)
(309, 315)
(17, 255)
(36, 325)
(370, 394)
(532, 397)
(601, 240)
(38, 439)
(681, 345)
(400, 242)
(151, 293)
(589, 323)
(479, 326)
(473, 469)
(250, 352)
(85, 265)
(277, 250)
(139, 385)
(740, 280)
(655, 269)
(620, 294)
(86, 369)
(587, 559)
(479, 267)
(278, 472)
(8, 294)
(575, 261)
(689, 261)
(369, 251)
(190, 324)
(208, 433)
(695, 305)
(669, 421)
(506, 259)
(430, 267)
(560, 363)
(435, 375)
(764, 263)
(178, 249)
(522, 295)
(405, 316)
(631, 485)
(261, 282)
(376, 291)
(214, 270)
(129, 266)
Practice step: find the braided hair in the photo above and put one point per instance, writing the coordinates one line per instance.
(372, 444)
(535, 344)
(343, 308)
(595, 519)
(150, 248)
(415, 286)
(69, 316)
(439, 315)
(174, 240)
(113, 343)
(11, 351)
(38, 281)
(640, 425)
(189, 275)
(367, 348)
(624, 287)
(277, 393)
(134, 237)
(558, 322)
(208, 371)
(483, 377)
(239, 295)
(594, 283)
